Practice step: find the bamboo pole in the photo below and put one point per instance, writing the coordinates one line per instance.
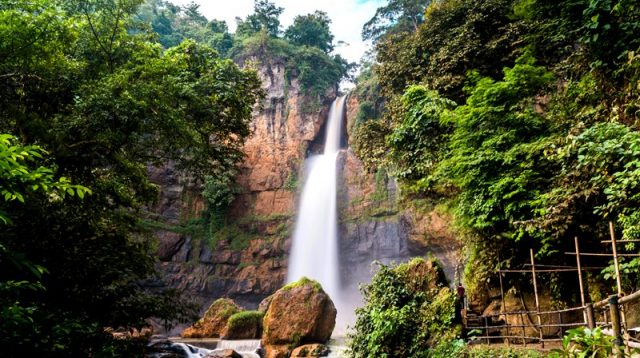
(615, 325)
(615, 257)
(524, 331)
(591, 321)
(616, 263)
(561, 324)
(486, 330)
(543, 270)
(503, 308)
(582, 300)
(599, 254)
(535, 291)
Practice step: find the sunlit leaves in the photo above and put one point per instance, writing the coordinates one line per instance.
(20, 174)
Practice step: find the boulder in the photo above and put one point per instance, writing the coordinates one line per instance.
(264, 304)
(214, 321)
(244, 325)
(310, 350)
(275, 351)
(299, 313)
(227, 353)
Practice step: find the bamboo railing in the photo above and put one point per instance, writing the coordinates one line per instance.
(609, 314)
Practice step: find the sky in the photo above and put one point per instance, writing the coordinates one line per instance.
(347, 17)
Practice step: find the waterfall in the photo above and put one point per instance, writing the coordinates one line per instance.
(314, 251)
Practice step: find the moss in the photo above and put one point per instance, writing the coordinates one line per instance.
(291, 183)
(304, 281)
(245, 319)
(237, 237)
(247, 264)
(296, 340)
(221, 307)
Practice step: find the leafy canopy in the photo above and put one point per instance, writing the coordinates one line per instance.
(105, 101)
(311, 30)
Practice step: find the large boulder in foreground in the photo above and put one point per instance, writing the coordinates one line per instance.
(214, 321)
(299, 313)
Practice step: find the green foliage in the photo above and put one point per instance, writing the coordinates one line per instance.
(79, 80)
(292, 181)
(539, 143)
(315, 70)
(496, 154)
(245, 319)
(304, 281)
(418, 143)
(599, 169)
(218, 193)
(311, 30)
(456, 37)
(367, 93)
(396, 16)
(585, 342)
(265, 17)
(369, 143)
(408, 310)
(174, 24)
(18, 177)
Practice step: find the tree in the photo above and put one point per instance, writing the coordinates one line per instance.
(481, 36)
(311, 30)
(105, 102)
(20, 276)
(396, 17)
(265, 17)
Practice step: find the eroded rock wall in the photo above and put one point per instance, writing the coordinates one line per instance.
(376, 224)
(247, 259)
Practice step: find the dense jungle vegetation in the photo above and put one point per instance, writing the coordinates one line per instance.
(92, 93)
(520, 118)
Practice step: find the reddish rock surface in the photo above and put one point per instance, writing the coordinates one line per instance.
(227, 353)
(249, 263)
(275, 151)
(310, 350)
(214, 321)
(298, 313)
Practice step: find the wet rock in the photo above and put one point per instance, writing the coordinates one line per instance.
(214, 321)
(227, 353)
(277, 351)
(244, 325)
(264, 304)
(169, 244)
(310, 350)
(299, 313)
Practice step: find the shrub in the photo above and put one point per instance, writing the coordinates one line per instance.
(408, 310)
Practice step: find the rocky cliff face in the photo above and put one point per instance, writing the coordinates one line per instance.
(247, 259)
(376, 225)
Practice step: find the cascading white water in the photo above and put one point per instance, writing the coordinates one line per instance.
(314, 252)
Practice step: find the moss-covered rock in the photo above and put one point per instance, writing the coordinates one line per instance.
(244, 325)
(214, 321)
(299, 313)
